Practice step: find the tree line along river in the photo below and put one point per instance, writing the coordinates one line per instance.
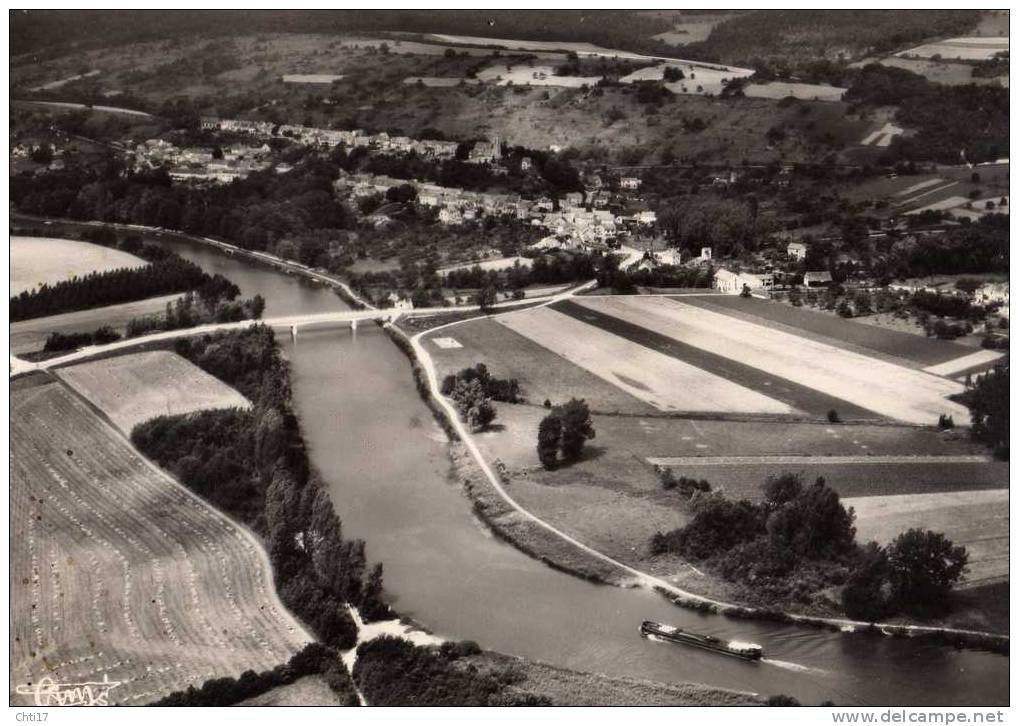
(384, 458)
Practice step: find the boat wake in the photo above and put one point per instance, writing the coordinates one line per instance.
(795, 667)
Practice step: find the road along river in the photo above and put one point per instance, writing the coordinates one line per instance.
(384, 457)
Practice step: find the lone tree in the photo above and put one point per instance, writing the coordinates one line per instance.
(485, 298)
(577, 428)
(549, 431)
(474, 406)
(922, 568)
(565, 430)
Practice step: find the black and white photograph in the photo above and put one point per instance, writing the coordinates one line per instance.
(542, 357)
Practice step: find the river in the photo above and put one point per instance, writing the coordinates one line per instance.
(384, 458)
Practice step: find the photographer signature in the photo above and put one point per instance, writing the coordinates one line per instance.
(48, 692)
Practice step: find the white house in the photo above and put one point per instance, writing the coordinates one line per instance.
(821, 278)
(796, 250)
(732, 282)
(629, 182)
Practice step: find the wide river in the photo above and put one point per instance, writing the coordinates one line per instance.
(384, 458)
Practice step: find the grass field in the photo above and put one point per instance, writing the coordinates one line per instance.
(134, 388)
(665, 382)
(27, 336)
(566, 687)
(304, 692)
(803, 91)
(903, 348)
(743, 481)
(117, 571)
(541, 373)
(37, 261)
(977, 520)
(896, 392)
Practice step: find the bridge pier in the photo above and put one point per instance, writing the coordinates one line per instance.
(293, 333)
(353, 325)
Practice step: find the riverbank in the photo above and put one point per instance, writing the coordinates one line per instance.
(484, 482)
(566, 687)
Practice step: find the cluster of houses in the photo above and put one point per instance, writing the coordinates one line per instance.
(356, 138)
(203, 165)
(574, 225)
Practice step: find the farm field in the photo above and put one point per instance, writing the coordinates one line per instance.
(527, 75)
(918, 349)
(977, 520)
(501, 263)
(949, 74)
(136, 387)
(39, 261)
(890, 390)
(802, 91)
(440, 82)
(323, 78)
(27, 336)
(808, 401)
(118, 572)
(667, 383)
(699, 79)
(863, 479)
(968, 48)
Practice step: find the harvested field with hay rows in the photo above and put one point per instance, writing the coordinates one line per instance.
(118, 572)
(134, 388)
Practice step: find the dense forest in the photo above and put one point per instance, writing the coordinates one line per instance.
(45, 32)
(982, 246)
(394, 672)
(253, 465)
(953, 124)
(812, 44)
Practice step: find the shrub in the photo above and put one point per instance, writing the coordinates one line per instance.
(833, 416)
(945, 422)
(549, 431)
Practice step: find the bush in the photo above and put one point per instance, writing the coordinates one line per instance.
(945, 422)
(833, 416)
(867, 595)
(549, 431)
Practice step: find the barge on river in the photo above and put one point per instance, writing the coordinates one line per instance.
(734, 648)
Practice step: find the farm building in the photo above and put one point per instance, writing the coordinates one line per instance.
(629, 182)
(817, 279)
(486, 152)
(796, 250)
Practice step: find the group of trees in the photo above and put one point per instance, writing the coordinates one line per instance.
(253, 464)
(950, 121)
(987, 399)
(392, 671)
(563, 432)
(914, 574)
(71, 341)
(166, 273)
(255, 212)
(498, 389)
(195, 308)
(312, 659)
(801, 539)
